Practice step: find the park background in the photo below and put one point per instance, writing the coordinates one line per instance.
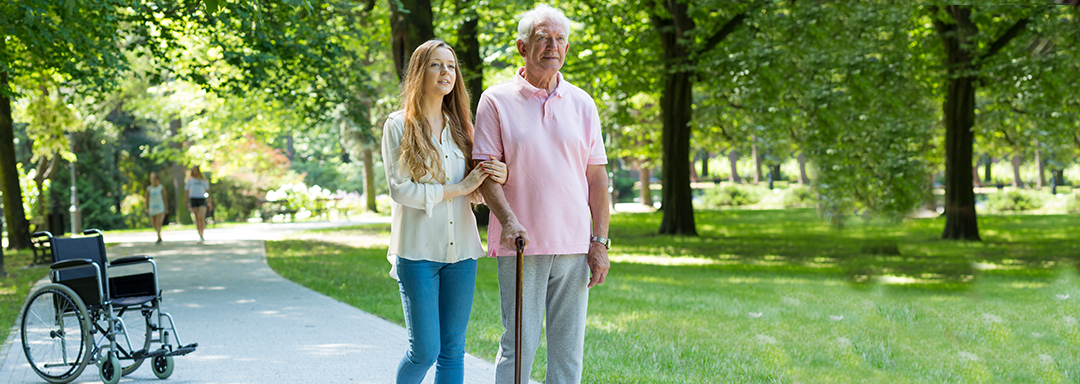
(912, 156)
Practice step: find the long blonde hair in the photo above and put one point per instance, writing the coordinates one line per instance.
(418, 154)
(196, 174)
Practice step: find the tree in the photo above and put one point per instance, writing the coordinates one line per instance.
(966, 50)
(676, 28)
(317, 58)
(410, 25)
(77, 41)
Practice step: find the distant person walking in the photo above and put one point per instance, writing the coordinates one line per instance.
(157, 204)
(548, 133)
(197, 194)
(434, 242)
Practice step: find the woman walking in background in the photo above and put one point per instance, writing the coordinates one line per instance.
(434, 243)
(156, 204)
(197, 194)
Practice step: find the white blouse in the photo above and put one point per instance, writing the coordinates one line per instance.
(423, 225)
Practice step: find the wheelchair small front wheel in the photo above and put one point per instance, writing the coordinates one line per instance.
(163, 366)
(110, 370)
(56, 335)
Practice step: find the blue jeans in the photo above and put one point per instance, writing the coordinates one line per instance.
(437, 299)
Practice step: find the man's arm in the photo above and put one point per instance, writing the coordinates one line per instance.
(496, 202)
(598, 207)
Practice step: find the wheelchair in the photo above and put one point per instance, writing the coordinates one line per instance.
(96, 311)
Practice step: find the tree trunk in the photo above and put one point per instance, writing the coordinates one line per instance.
(1040, 181)
(369, 179)
(676, 201)
(975, 174)
(757, 161)
(410, 26)
(1017, 162)
(704, 165)
(179, 178)
(733, 159)
(646, 185)
(930, 201)
(14, 215)
(961, 222)
(694, 177)
(803, 180)
(472, 65)
(986, 171)
(959, 110)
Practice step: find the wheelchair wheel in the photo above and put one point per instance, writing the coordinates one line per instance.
(56, 333)
(110, 370)
(139, 334)
(163, 367)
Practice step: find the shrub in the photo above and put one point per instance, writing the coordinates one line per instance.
(1015, 201)
(233, 201)
(1073, 205)
(730, 196)
(799, 197)
(134, 210)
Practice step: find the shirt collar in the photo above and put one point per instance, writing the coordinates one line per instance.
(528, 90)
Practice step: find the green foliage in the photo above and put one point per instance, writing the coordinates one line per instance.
(624, 186)
(799, 197)
(1073, 206)
(730, 196)
(134, 209)
(233, 200)
(1015, 200)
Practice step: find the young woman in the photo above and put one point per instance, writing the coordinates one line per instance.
(434, 243)
(156, 204)
(197, 194)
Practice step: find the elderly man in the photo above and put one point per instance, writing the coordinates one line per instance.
(547, 131)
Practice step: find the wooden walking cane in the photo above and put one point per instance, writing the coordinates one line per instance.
(517, 308)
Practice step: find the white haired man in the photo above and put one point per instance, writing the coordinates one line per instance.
(547, 131)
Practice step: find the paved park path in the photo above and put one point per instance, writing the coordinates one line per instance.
(252, 325)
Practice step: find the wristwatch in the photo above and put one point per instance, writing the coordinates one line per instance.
(602, 240)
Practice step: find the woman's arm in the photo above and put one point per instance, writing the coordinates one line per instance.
(403, 190)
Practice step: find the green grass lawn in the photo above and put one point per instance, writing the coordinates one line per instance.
(16, 286)
(780, 296)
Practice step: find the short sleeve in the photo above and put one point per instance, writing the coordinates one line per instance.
(597, 152)
(487, 136)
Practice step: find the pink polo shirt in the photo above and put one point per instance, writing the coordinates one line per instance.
(546, 142)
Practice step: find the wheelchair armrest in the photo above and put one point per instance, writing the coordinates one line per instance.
(41, 234)
(129, 260)
(71, 263)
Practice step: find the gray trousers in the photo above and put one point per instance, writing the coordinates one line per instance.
(559, 285)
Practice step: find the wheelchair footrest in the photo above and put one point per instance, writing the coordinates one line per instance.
(144, 354)
(184, 350)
